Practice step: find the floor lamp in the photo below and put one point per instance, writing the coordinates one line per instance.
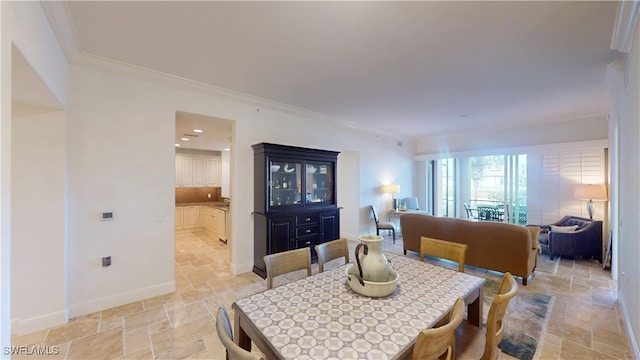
(591, 192)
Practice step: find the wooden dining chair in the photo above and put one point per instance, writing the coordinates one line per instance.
(286, 262)
(437, 342)
(380, 225)
(495, 324)
(225, 333)
(332, 250)
(443, 249)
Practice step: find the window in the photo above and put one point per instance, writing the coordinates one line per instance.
(499, 187)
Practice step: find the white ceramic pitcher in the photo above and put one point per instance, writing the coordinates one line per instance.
(371, 263)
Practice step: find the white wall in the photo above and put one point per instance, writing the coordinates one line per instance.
(625, 121)
(38, 239)
(23, 26)
(348, 181)
(225, 173)
(382, 166)
(121, 159)
(5, 179)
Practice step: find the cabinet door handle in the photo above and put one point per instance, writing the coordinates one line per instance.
(308, 231)
(307, 219)
(308, 243)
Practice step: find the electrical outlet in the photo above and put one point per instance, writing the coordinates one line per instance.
(106, 261)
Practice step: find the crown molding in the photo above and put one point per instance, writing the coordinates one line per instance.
(625, 26)
(513, 150)
(165, 79)
(61, 23)
(59, 16)
(615, 77)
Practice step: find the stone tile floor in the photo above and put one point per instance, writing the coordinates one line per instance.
(585, 321)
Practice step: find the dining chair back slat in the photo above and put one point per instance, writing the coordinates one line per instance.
(495, 318)
(443, 249)
(332, 250)
(436, 342)
(286, 262)
(225, 333)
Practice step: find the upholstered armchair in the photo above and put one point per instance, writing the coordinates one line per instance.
(571, 236)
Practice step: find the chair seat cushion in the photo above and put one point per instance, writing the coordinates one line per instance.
(564, 229)
(386, 225)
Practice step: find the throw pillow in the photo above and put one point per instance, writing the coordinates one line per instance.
(563, 229)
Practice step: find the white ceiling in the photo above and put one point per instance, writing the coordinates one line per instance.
(413, 69)
(216, 133)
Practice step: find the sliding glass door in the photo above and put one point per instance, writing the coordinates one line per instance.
(447, 188)
(498, 186)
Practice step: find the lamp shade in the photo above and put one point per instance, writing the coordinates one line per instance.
(391, 189)
(597, 192)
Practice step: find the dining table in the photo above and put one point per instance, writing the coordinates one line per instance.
(320, 317)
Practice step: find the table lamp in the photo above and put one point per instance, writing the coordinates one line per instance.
(591, 192)
(392, 189)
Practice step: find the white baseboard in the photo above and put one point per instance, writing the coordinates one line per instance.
(107, 302)
(241, 268)
(630, 335)
(37, 323)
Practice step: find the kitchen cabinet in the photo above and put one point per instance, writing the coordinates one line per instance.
(219, 224)
(206, 219)
(184, 171)
(294, 200)
(179, 217)
(215, 222)
(212, 169)
(191, 217)
(187, 217)
(197, 170)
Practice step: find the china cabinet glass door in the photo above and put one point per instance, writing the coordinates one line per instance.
(285, 183)
(319, 183)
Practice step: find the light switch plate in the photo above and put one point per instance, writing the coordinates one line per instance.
(107, 216)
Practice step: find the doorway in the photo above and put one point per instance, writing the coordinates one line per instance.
(203, 192)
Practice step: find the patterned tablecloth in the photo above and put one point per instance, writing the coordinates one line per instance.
(320, 317)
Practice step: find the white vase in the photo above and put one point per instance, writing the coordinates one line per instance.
(371, 263)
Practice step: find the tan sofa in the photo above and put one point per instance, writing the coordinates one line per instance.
(492, 245)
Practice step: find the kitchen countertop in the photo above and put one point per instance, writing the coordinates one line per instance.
(213, 204)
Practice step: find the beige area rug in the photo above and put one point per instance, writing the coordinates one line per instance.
(524, 320)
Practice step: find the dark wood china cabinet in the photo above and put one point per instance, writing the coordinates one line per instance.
(294, 200)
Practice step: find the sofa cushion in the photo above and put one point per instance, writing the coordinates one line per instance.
(535, 242)
(576, 222)
(564, 229)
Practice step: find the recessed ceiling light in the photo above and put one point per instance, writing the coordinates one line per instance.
(197, 130)
(185, 139)
(177, 144)
(227, 149)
